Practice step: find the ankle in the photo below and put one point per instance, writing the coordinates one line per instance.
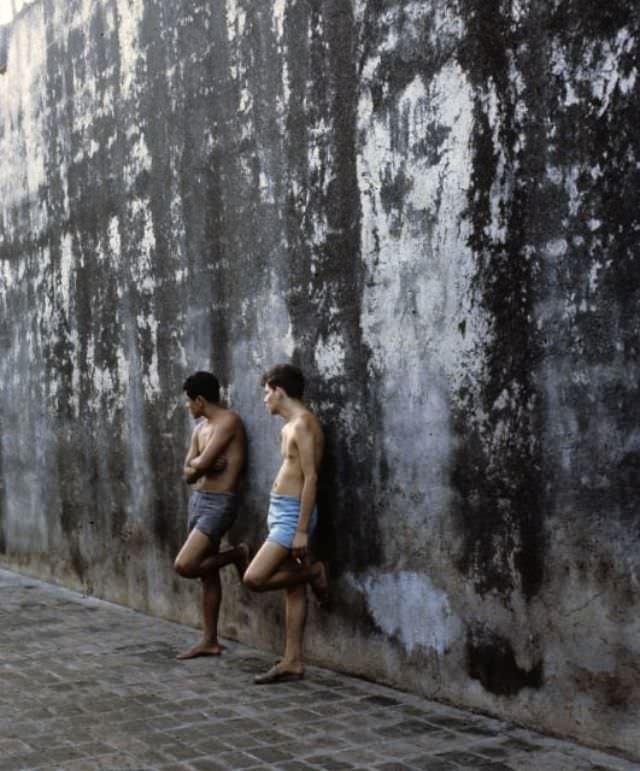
(293, 665)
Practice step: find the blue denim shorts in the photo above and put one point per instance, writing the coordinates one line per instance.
(211, 513)
(283, 518)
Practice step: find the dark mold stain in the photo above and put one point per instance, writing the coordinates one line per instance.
(491, 660)
(499, 481)
(5, 32)
(324, 86)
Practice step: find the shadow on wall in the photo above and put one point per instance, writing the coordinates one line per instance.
(4, 48)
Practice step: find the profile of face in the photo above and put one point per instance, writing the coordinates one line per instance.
(272, 398)
(195, 406)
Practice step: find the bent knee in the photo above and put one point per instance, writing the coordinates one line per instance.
(183, 568)
(253, 580)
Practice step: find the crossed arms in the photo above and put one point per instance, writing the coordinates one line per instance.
(198, 464)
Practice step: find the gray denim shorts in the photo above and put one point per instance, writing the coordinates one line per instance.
(211, 513)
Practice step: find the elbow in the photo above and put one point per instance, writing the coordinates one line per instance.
(311, 480)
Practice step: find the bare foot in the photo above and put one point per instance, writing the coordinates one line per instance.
(278, 675)
(320, 583)
(201, 649)
(242, 563)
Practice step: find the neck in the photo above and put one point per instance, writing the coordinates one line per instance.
(291, 408)
(211, 410)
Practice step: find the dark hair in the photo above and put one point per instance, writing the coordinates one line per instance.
(287, 377)
(203, 384)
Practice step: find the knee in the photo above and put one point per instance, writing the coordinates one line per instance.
(183, 568)
(253, 580)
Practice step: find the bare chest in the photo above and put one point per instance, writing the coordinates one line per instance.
(288, 448)
(205, 435)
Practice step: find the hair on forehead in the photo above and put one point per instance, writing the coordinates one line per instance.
(285, 376)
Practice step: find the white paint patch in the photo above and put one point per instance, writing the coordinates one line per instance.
(139, 159)
(329, 356)
(418, 288)
(143, 269)
(593, 276)
(556, 248)
(599, 73)
(129, 15)
(142, 272)
(288, 342)
(23, 101)
(279, 9)
(66, 269)
(236, 19)
(408, 606)
(113, 234)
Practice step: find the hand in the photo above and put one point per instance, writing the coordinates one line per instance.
(219, 465)
(299, 546)
(190, 475)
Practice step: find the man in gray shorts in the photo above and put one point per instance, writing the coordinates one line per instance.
(213, 466)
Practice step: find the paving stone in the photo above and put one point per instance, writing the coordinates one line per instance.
(212, 746)
(101, 690)
(493, 752)
(409, 728)
(393, 767)
(431, 763)
(328, 762)
(464, 759)
(207, 764)
(271, 737)
(270, 754)
(237, 760)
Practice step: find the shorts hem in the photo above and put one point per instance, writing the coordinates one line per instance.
(211, 536)
(274, 539)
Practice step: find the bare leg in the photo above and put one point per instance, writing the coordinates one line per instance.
(290, 575)
(211, 601)
(296, 604)
(239, 555)
(271, 569)
(199, 558)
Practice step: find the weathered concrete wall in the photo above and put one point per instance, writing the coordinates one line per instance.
(433, 208)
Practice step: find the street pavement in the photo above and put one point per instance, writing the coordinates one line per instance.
(87, 685)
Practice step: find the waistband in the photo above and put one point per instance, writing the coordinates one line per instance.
(212, 493)
(283, 498)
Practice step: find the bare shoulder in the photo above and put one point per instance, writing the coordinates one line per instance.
(307, 423)
(232, 420)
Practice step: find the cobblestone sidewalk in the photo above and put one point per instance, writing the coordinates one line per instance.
(87, 685)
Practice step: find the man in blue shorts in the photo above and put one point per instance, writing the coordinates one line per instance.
(283, 561)
(213, 466)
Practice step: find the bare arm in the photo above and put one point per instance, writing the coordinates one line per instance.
(208, 459)
(305, 441)
(190, 474)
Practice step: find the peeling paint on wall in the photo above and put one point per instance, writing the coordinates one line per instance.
(430, 207)
(409, 607)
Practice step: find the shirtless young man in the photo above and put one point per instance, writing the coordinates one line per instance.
(283, 561)
(213, 466)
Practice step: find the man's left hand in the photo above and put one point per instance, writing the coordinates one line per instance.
(299, 545)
